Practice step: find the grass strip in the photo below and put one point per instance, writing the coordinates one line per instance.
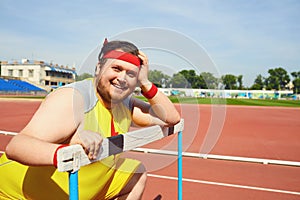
(229, 101)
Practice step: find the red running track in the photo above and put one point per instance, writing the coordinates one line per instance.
(259, 132)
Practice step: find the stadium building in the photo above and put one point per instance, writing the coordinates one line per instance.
(45, 76)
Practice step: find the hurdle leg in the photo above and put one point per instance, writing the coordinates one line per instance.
(179, 163)
(73, 185)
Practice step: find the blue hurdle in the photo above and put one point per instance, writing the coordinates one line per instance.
(179, 163)
(73, 186)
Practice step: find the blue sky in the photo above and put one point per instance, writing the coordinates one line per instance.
(241, 37)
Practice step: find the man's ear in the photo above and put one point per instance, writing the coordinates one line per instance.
(97, 69)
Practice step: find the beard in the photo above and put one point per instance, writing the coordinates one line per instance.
(110, 94)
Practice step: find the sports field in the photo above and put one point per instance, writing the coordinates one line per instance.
(192, 100)
(231, 151)
(234, 101)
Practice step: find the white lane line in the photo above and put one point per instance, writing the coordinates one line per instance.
(8, 133)
(226, 184)
(220, 157)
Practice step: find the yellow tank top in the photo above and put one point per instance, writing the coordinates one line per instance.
(22, 182)
(97, 117)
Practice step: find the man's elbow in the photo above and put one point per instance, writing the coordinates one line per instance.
(9, 151)
(173, 120)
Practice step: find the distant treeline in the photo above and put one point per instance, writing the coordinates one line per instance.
(278, 79)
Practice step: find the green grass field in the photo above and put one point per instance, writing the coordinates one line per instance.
(191, 100)
(244, 102)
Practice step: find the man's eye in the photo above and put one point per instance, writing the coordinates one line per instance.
(116, 68)
(132, 74)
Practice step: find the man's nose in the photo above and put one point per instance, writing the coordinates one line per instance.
(122, 77)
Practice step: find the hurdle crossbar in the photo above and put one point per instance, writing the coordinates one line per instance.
(72, 157)
(220, 157)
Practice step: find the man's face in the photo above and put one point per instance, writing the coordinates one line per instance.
(116, 80)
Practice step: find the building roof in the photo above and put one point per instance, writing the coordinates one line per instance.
(48, 66)
(58, 69)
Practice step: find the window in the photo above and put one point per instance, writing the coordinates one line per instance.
(30, 73)
(20, 72)
(10, 72)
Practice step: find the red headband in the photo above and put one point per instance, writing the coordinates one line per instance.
(127, 57)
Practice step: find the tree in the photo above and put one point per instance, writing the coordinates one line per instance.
(159, 78)
(240, 82)
(229, 81)
(83, 76)
(209, 81)
(200, 83)
(191, 77)
(296, 82)
(179, 81)
(258, 83)
(278, 79)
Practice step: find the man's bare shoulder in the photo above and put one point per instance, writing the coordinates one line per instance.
(58, 116)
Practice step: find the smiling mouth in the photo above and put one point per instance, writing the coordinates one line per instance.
(120, 87)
